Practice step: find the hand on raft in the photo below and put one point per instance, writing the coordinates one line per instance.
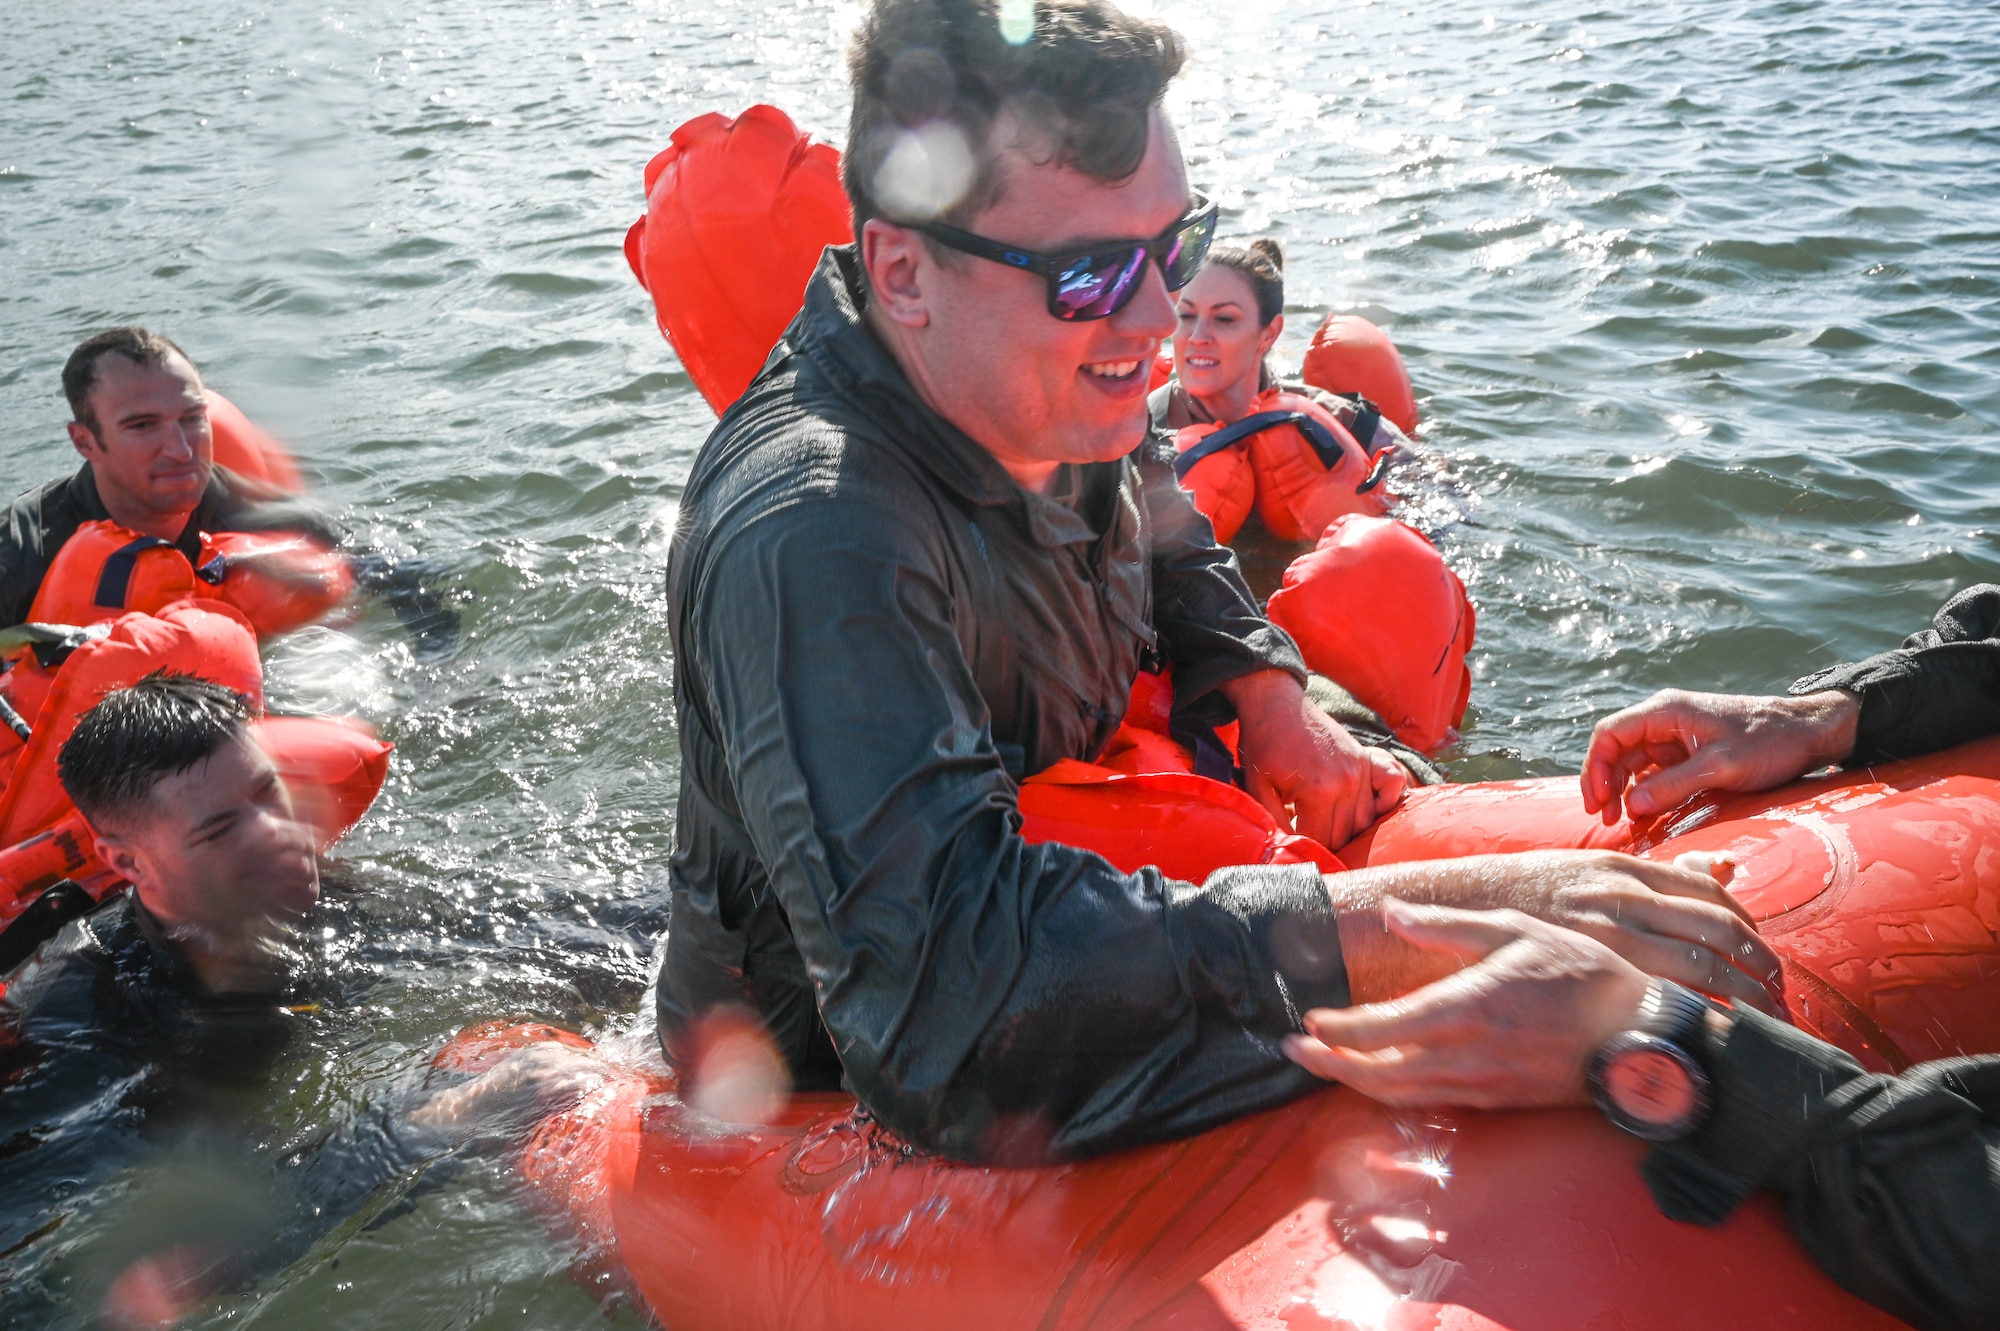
(1539, 989)
(1676, 743)
(1514, 1029)
(1671, 920)
(508, 1098)
(1304, 766)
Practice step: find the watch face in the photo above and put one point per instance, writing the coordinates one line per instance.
(1650, 1086)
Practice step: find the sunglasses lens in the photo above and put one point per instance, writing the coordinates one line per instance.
(1094, 286)
(1189, 248)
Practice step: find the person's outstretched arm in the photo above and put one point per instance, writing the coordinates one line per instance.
(1940, 688)
(1892, 1183)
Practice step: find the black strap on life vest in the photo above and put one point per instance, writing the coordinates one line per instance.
(1324, 445)
(116, 580)
(1367, 420)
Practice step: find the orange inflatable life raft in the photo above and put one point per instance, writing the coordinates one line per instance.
(737, 215)
(1375, 607)
(334, 767)
(1350, 355)
(1332, 1212)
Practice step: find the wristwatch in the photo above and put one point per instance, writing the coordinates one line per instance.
(1650, 1080)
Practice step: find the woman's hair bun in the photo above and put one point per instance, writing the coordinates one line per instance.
(1268, 248)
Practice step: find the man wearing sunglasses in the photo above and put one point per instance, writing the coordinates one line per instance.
(924, 557)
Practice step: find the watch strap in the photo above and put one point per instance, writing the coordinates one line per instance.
(1676, 1015)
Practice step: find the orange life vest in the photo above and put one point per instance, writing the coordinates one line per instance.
(1309, 469)
(1375, 608)
(1187, 825)
(1351, 355)
(738, 213)
(279, 580)
(1289, 459)
(105, 570)
(334, 767)
(192, 638)
(1221, 481)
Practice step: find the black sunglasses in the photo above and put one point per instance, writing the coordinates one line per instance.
(1097, 283)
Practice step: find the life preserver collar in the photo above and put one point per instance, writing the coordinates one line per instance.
(114, 580)
(1322, 440)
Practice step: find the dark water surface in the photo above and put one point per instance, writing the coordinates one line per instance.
(1702, 302)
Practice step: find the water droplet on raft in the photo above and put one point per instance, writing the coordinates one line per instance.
(1017, 21)
(926, 173)
(737, 1075)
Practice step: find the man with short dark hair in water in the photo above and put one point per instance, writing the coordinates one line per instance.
(189, 810)
(141, 426)
(179, 993)
(923, 558)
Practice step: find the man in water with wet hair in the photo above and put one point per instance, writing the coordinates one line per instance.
(923, 557)
(181, 992)
(190, 811)
(1891, 1183)
(141, 426)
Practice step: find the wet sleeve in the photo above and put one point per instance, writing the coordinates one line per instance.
(1941, 688)
(990, 999)
(21, 561)
(248, 505)
(1208, 622)
(1891, 1183)
(258, 1209)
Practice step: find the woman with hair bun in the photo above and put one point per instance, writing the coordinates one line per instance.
(1292, 453)
(1230, 317)
(1304, 460)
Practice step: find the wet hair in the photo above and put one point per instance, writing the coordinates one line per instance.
(1081, 76)
(141, 346)
(1262, 264)
(139, 736)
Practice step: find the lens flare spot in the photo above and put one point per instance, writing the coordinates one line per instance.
(737, 1075)
(926, 173)
(1017, 21)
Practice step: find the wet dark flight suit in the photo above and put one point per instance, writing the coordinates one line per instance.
(877, 633)
(1892, 1183)
(36, 525)
(115, 1063)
